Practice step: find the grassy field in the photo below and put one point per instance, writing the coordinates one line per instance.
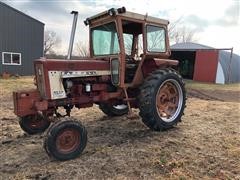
(205, 145)
(211, 86)
(11, 84)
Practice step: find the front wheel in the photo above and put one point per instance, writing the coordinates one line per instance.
(33, 124)
(162, 99)
(65, 139)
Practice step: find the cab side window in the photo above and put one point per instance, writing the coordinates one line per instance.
(156, 39)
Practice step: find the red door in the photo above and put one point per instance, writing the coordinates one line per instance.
(205, 67)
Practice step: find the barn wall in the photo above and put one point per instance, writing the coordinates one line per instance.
(205, 68)
(20, 33)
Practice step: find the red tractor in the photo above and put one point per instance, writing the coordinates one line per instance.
(128, 68)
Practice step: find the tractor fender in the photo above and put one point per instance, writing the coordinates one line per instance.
(165, 62)
(151, 65)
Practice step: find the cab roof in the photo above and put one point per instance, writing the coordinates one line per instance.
(125, 14)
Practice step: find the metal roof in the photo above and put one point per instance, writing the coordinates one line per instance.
(230, 64)
(190, 46)
(123, 13)
(141, 17)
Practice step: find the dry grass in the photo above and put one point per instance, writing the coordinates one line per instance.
(205, 145)
(210, 86)
(15, 84)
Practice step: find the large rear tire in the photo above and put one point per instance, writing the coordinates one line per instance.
(33, 124)
(65, 139)
(162, 99)
(113, 110)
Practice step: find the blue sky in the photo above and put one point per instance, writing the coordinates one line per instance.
(216, 22)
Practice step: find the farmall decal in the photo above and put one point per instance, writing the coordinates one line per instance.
(69, 74)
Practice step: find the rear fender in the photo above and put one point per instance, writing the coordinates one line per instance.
(151, 65)
(165, 62)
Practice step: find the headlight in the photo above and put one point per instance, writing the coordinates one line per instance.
(40, 80)
(115, 71)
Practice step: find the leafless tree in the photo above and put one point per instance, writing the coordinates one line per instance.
(51, 41)
(180, 33)
(82, 49)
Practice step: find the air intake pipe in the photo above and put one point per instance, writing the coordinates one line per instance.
(70, 48)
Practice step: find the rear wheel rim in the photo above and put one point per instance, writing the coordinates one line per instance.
(68, 141)
(120, 106)
(169, 100)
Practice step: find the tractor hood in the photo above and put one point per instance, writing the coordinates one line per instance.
(73, 65)
(50, 74)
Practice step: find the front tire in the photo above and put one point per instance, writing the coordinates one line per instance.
(162, 99)
(65, 140)
(33, 124)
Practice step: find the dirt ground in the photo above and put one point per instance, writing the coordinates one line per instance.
(205, 144)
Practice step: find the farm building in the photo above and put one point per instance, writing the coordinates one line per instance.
(21, 41)
(207, 64)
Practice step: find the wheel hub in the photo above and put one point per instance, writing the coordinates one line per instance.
(168, 100)
(68, 140)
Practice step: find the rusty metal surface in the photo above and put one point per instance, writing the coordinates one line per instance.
(65, 66)
(133, 17)
(24, 102)
(68, 140)
(99, 89)
(166, 62)
(41, 105)
(29, 102)
(167, 100)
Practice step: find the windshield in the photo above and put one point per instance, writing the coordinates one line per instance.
(105, 40)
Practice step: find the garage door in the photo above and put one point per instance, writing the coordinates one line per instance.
(205, 67)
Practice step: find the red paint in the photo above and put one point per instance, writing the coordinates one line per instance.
(151, 65)
(73, 65)
(29, 102)
(68, 65)
(24, 102)
(148, 67)
(205, 67)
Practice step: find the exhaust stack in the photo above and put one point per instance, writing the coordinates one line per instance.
(75, 13)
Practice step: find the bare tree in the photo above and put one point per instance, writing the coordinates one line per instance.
(179, 33)
(51, 40)
(82, 49)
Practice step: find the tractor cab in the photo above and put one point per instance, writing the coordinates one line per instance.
(127, 39)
